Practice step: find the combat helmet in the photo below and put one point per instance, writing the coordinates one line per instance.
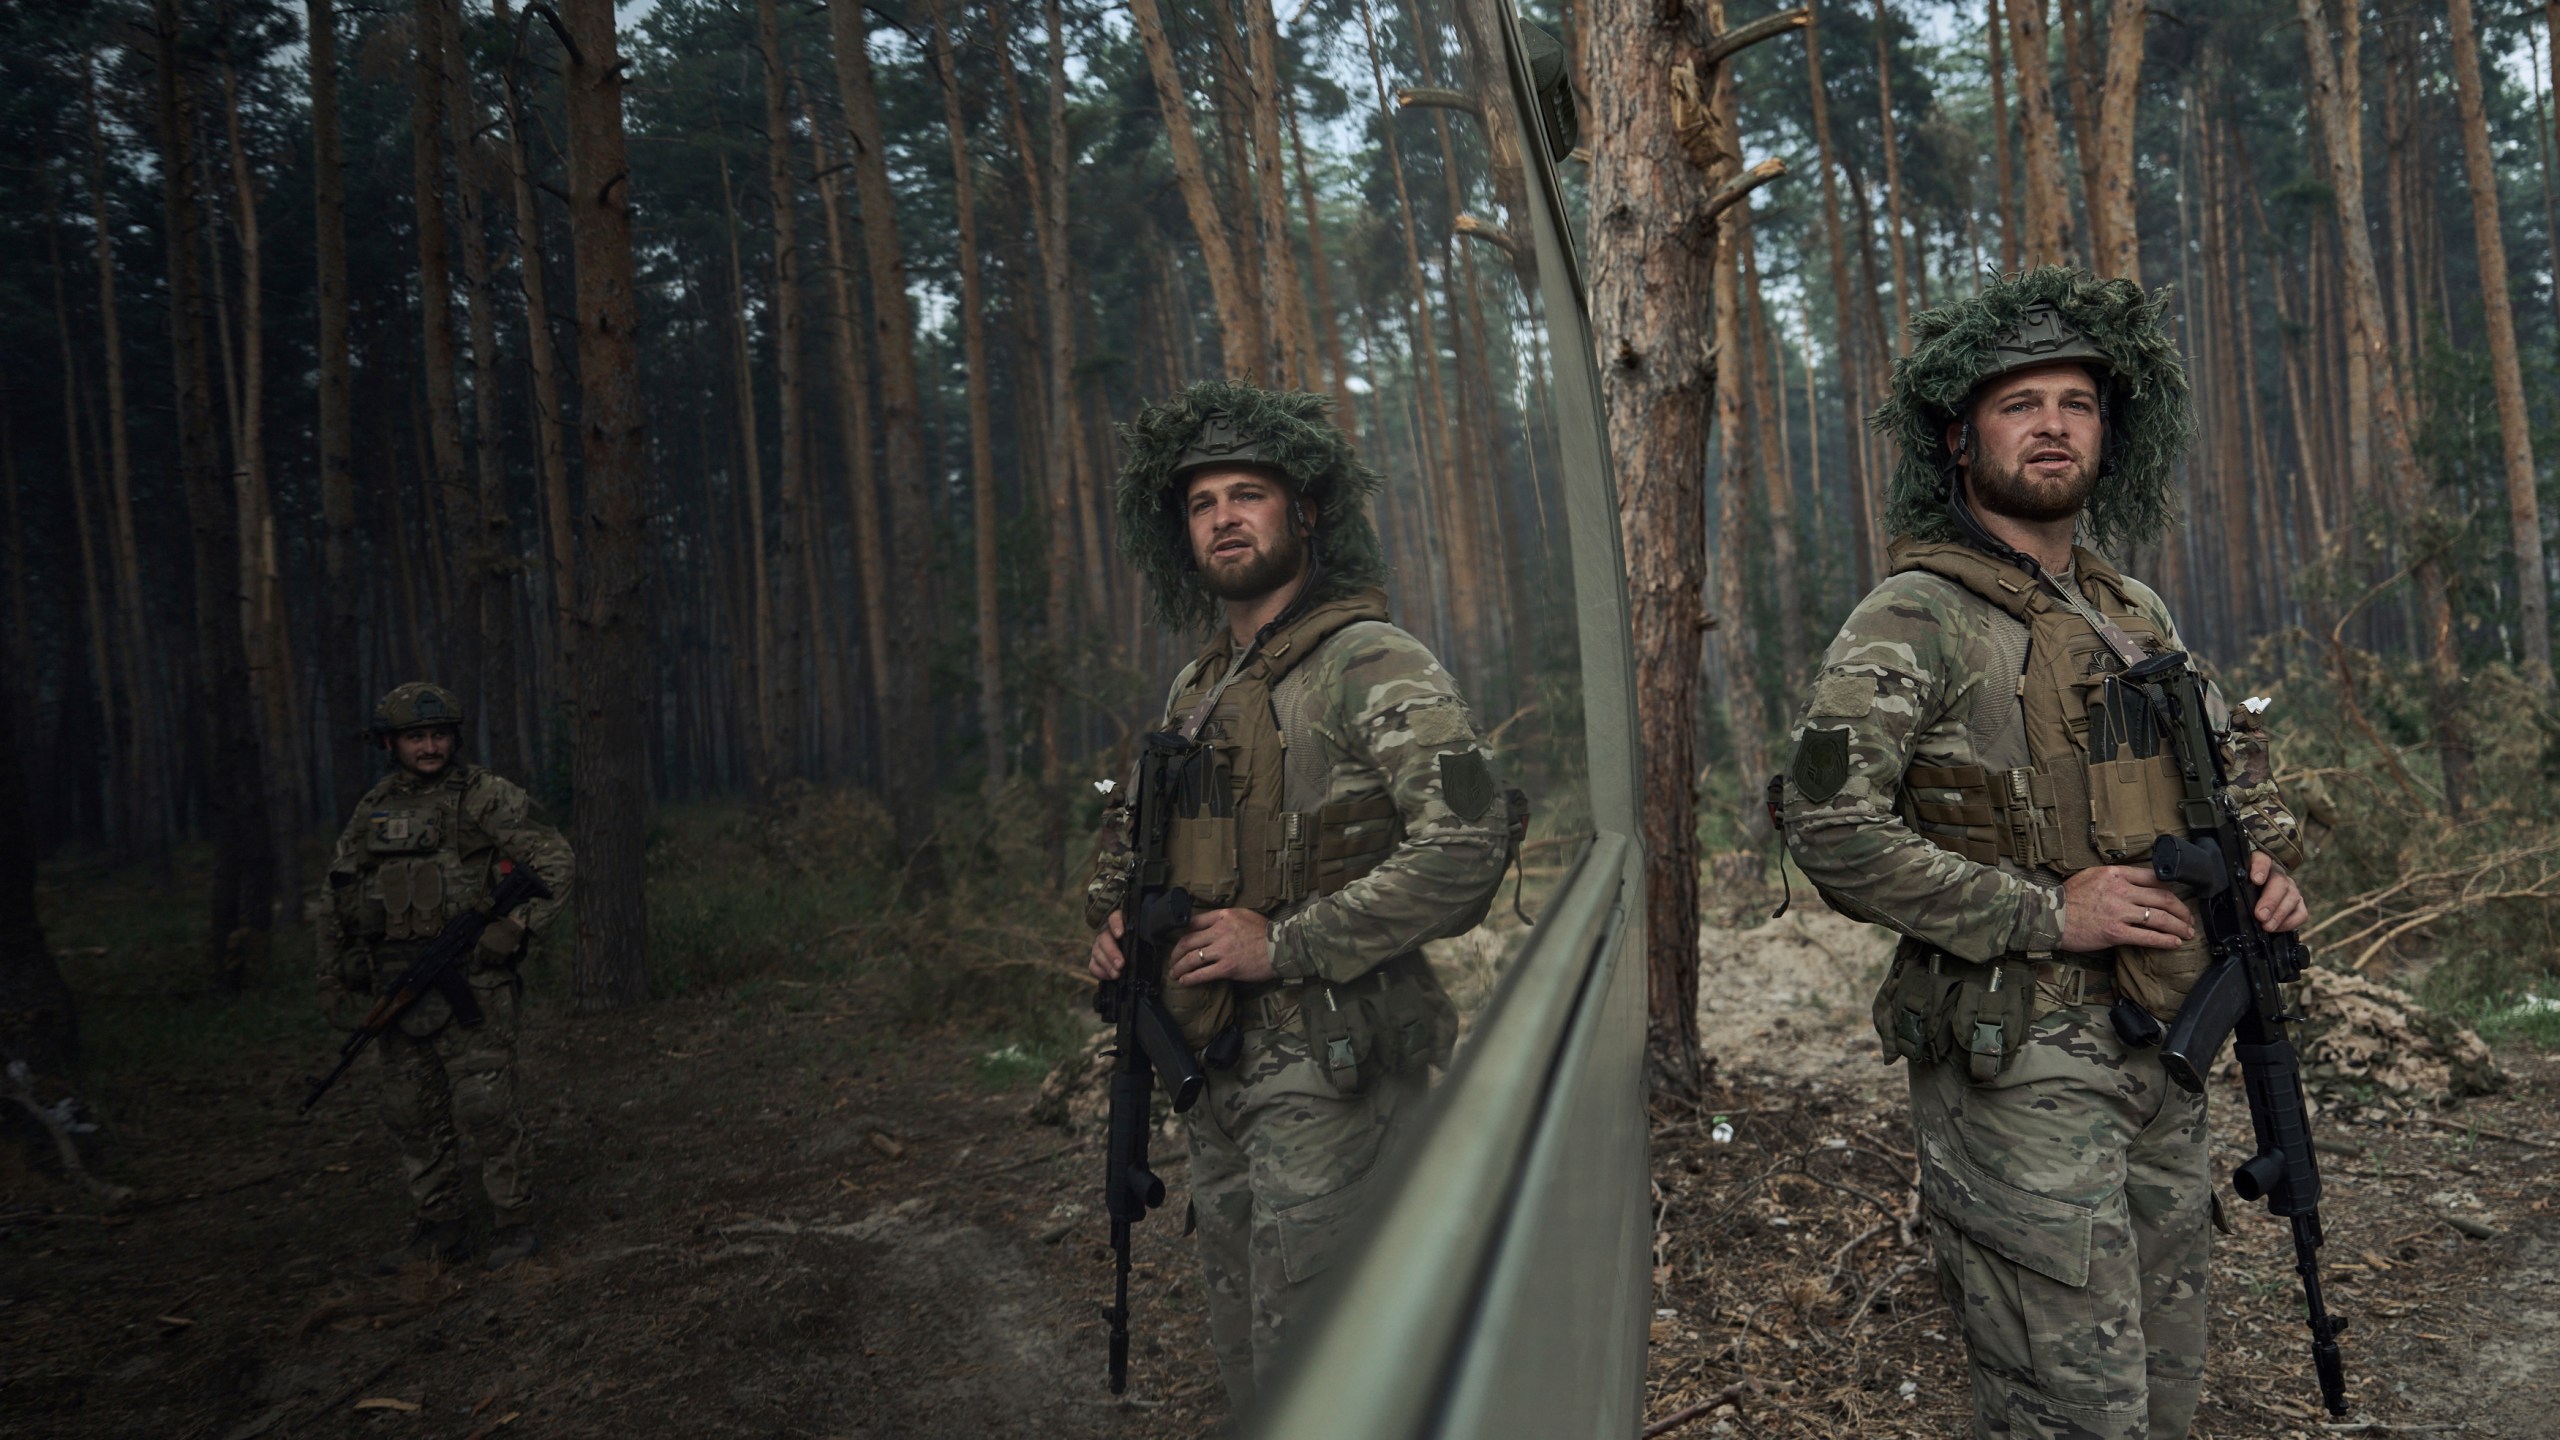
(1230, 424)
(418, 705)
(2038, 317)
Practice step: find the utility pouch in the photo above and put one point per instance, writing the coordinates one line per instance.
(1339, 1035)
(1989, 1016)
(1911, 1006)
(2131, 802)
(1201, 850)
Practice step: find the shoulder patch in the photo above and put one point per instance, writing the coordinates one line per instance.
(1843, 697)
(1466, 783)
(1439, 725)
(1822, 764)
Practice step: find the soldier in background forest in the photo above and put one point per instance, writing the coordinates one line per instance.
(1966, 773)
(423, 846)
(1301, 977)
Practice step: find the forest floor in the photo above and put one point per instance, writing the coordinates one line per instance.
(1792, 1275)
(793, 1208)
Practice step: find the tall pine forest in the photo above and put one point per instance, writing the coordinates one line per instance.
(721, 397)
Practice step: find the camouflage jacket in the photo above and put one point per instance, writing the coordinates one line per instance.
(1369, 713)
(417, 852)
(1926, 672)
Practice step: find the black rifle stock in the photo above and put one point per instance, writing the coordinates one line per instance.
(2240, 995)
(439, 970)
(1149, 1046)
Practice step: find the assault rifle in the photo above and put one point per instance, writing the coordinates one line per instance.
(1174, 774)
(439, 970)
(2239, 994)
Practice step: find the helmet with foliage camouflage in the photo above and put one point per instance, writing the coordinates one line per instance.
(417, 705)
(1230, 424)
(2040, 316)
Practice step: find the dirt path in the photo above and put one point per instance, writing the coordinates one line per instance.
(765, 1217)
(1788, 1264)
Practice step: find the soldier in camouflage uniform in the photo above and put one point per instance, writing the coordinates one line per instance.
(1365, 821)
(1966, 774)
(423, 846)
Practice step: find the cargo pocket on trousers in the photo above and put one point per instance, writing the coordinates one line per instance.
(2049, 1236)
(1314, 1231)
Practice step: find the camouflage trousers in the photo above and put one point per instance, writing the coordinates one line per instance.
(2069, 1204)
(1280, 1177)
(453, 1089)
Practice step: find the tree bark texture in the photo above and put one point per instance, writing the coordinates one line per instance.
(2371, 340)
(793, 593)
(460, 651)
(2048, 200)
(350, 759)
(1866, 539)
(243, 893)
(1652, 297)
(609, 766)
(2515, 427)
(1239, 327)
(906, 740)
(982, 454)
(2115, 240)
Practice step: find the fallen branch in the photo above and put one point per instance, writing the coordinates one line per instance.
(2441, 1123)
(1730, 1395)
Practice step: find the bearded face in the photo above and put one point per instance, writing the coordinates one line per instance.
(1244, 538)
(2037, 436)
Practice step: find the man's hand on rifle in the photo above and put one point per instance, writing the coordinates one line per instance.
(2281, 908)
(1103, 960)
(2112, 905)
(1223, 945)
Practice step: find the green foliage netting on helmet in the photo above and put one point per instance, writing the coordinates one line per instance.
(1956, 346)
(417, 705)
(1289, 431)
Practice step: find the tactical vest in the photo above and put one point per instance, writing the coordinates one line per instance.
(1245, 849)
(411, 875)
(2062, 812)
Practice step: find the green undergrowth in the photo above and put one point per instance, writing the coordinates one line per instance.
(798, 905)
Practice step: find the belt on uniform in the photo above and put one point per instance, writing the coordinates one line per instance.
(1271, 1007)
(2079, 981)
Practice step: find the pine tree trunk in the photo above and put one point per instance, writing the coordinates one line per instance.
(765, 758)
(1865, 519)
(1239, 327)
(1345, 414)
(609, 768)
(1735, 540)
(340, 608)
(39, 1020)
(1652, 293)
(490, 555)
(147, 800)
(2048, 200)
(853, 402)
(542, 358)
(1287, 304)
(243, 893)
(112, 718)
(2115, 234)
(2515, 427)
(1775, 461)
(1892, 181)
(907, 739)
(982, 455)
(2079, 69)
(263, 619)
(790, 639)
(460, 623)
(2330, 92)
(2009, 224)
